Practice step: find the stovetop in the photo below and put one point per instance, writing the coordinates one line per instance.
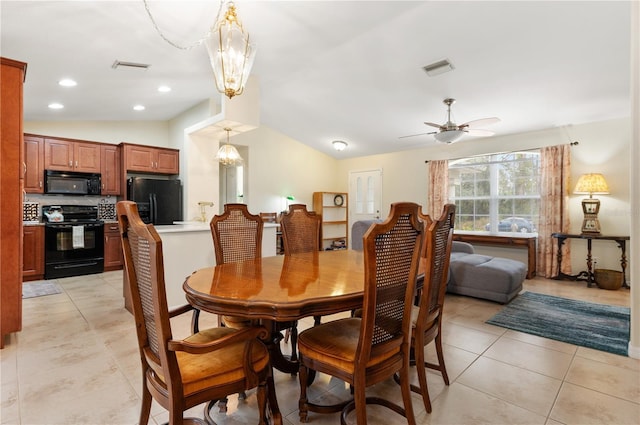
(70, 214)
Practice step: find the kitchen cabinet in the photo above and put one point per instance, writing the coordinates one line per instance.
(12, 74)
(33, 164)
(110, 169)
(33, 253)
(334, 210)
(68, 155)
(149, 159)
(113, 258)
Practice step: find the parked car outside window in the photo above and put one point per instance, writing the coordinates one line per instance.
(514, 224)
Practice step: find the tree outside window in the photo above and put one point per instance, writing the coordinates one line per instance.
(496, 193)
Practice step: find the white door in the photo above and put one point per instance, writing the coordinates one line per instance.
(365, 195)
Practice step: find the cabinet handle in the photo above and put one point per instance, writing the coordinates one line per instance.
(24, 164)
(71, 164)
(76, 164)
(40, 183)
(102, 186)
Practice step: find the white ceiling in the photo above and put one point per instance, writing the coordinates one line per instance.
(333, 69)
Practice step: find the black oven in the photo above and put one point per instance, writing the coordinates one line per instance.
(74, 246)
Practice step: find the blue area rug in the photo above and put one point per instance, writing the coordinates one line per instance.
(598, 326)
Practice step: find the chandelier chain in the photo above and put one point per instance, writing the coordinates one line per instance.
(165, 38)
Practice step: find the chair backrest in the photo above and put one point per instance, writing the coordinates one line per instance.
(269, 217)
(237, 234)
(438, 241)
(144, 269)
(391, 259)
(300, 230)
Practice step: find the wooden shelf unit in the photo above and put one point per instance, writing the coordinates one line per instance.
(335, 218)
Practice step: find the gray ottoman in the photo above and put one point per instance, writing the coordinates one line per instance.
(481, 276)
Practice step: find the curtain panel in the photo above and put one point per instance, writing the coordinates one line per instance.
(555, 167)
(438, 187)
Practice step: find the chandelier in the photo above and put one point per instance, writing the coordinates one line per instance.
(228, 154)
(230, 53)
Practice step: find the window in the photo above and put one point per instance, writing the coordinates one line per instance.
(497, 193)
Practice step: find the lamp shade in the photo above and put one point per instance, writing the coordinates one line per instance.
(593, 183)
(449, 136)
(228, 155)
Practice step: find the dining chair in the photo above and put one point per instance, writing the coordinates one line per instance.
(363, 351)
(428, 315)
(206, 366)
(237, 236)
(301, 231)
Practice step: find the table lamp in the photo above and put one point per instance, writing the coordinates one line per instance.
(593, 183)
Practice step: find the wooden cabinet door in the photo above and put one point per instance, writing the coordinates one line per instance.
(139, 158)
(33, 164)
(113, 258)
(110, 170)
(86, 157)
(167, 162)
(33, 252)
(58, 155)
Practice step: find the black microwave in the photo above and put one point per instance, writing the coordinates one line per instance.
(71, 183)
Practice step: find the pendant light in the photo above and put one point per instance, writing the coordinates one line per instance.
(228, 154)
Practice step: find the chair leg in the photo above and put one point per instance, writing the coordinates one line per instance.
(302, 402)
(272, 401)
(294, 342)
(360, 400)
(406, 394)
(422, 376)
(443, 368)
(262, 402)
(145, 409)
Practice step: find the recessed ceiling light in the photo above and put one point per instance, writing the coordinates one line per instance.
(56, 106)
(67, 82)
(139, 108)
(164, 89)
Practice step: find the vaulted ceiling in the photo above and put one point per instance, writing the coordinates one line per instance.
(334, 69)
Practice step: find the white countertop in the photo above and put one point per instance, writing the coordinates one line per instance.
(193, 226)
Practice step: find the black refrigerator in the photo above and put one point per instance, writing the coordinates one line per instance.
(159, 201)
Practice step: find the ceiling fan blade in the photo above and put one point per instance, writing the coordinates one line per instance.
(433, 125)
(478, 132)
(419, 134)
(481, 122)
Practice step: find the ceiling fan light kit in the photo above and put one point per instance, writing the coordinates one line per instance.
(450, 132)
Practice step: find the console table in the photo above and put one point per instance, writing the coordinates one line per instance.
(521, 240)
(588, 275)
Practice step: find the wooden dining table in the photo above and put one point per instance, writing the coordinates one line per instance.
(280, 289)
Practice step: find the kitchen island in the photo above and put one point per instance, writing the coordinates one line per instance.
(188, 246)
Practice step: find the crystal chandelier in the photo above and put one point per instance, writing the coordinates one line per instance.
(228, 154)
(230, 53)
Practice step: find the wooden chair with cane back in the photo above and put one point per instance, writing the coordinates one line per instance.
(363, 351)
(208, 365)
(237, 236)
(427, 317)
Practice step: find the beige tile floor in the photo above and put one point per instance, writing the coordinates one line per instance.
(76, 362)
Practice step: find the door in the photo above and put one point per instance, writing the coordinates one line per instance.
(365, 195)
(168, 202)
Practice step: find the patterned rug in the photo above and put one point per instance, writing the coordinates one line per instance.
(39, 288)
(598, 326)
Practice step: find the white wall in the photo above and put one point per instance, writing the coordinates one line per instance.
(154, 133)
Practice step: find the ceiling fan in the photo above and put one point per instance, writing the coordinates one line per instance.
(451, 132)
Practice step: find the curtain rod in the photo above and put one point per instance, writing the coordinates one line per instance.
(499, 153)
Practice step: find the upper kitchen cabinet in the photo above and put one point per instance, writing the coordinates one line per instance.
(110, 169)
(67, 155)
(33, 164)
(148, 159)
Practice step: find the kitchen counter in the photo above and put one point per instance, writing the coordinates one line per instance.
(32, 223)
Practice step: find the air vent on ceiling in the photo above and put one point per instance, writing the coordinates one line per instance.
(117, 64)
(438, 68)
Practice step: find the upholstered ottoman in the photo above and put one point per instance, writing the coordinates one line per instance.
(481, 276)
